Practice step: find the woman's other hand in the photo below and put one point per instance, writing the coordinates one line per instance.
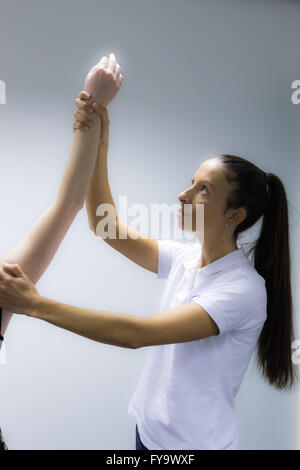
(85, 108)
(17, 293)
(104, 80)
(83, 117)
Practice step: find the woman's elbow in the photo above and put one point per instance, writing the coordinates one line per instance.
(92, 228)
(80, 205)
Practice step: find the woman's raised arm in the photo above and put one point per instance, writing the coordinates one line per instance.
(37, 249)
(133, 244)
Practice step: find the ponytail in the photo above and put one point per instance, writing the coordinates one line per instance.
(263, 195)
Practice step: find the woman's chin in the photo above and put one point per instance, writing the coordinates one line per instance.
(185, 226)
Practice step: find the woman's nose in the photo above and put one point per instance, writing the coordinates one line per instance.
(184, 197)
(181, 199)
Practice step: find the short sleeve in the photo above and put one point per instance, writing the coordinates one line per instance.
(164, 258)
(169, 251)
(228, 306)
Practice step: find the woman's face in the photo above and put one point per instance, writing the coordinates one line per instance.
(210, 188)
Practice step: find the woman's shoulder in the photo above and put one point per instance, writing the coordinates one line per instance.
(179, 246)
(179, 250)
(184, 250)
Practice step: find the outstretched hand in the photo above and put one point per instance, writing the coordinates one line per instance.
(104, 80)
(17, 293)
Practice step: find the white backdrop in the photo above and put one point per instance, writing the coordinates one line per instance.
(201, 77)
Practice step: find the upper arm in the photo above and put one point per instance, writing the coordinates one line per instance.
(232, 305)
(180, 324)
(36, 250)
(137, 246)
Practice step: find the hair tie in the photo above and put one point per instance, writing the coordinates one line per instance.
(267, 179)
(267, 186)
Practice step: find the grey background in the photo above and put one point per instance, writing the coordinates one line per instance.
(201, 77)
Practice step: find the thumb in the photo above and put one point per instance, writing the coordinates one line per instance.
(14, 269)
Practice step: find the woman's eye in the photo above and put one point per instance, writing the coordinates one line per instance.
(203, 186)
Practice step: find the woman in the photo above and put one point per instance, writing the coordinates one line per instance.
(217, 305)
(35, 252)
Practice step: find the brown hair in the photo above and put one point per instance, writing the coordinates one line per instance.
(263, 194)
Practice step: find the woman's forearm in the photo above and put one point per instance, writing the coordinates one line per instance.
(99, 190)
(117, 329)
(79, 166)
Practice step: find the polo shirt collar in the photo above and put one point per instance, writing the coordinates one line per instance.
(221, 264)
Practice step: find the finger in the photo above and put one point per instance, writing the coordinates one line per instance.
(112, 63)
(4, 276)
(79, 125)
(15, 269)
(84, 105)
(84, 95)
(103, 62)
(117, 72)
(82, 117)
(9, 270)
(121, 78)
(100, 65)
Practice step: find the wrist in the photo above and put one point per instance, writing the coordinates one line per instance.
(34, 310)
(95, 118)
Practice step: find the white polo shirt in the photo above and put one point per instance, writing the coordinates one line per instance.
(185, 396)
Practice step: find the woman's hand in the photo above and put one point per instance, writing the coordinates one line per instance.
(85, 116)
(104, 80)
(86, 106)
(17, 293)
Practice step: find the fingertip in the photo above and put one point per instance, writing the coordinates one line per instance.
(85, 95)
